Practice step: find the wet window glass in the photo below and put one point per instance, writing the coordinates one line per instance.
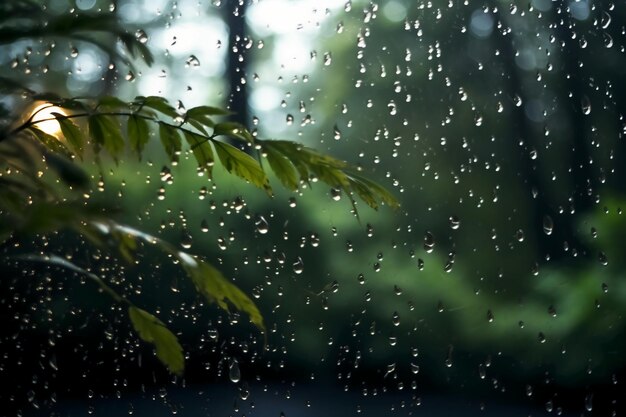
(304, 208)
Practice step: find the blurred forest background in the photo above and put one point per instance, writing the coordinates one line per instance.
(500, 127)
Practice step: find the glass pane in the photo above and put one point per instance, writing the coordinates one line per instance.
(149, 269)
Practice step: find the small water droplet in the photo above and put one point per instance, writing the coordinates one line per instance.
(192, 61)
(589, 402)
(548, 225)
(298, 266)
(141, 36)
(429, 242)
(186, 240)
(261, 225)
(395, 319)
(489, 316)
(448, 360)
(234, 373)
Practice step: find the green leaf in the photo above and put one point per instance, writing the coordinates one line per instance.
(199, 117)
(71, 132)
(241, 164)
(106, 133)
(211, 283)
(138, 133)
(50, 142)
(136, 49)
(202, 150)
(376, 190)
(159, 104)
(234, 130)
(69, 172)
(207, 111)
(112, 102)
(152, 330)
(170, 140)
(282, 167)
(292, 151)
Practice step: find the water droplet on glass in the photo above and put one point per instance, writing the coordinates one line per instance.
(141, 36)
(395, 319)
(130, 76)
(186, 240)
(589, 402)
(261, 225)
(429, 242)
(298, 266)
(234, 373)
(335, 193)
(455, 223)
(420, 264)
(415, 368)
(337, 133)
(489, 316)
(448, 360)
(548, 225)
(192, 61)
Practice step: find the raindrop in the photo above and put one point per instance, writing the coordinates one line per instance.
(420, 264)
(74, 52)
(337, 133)
(589, 402)
(429, 242)
(234, 373)
(603, 259)
(455, 223)
(552, 311)
(395, 319)
(130, 76)
(482, 372)
(261, 225)
(448, 360)
(541, 337)
(192, 61)
(335, 193)
(328, 59)
(489, 316)
(186, 240)
(244, 392)
(586, 105)
(141, 36)
(298, 266)
(548, 225)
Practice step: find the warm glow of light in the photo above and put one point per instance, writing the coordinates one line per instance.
(44, 119)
